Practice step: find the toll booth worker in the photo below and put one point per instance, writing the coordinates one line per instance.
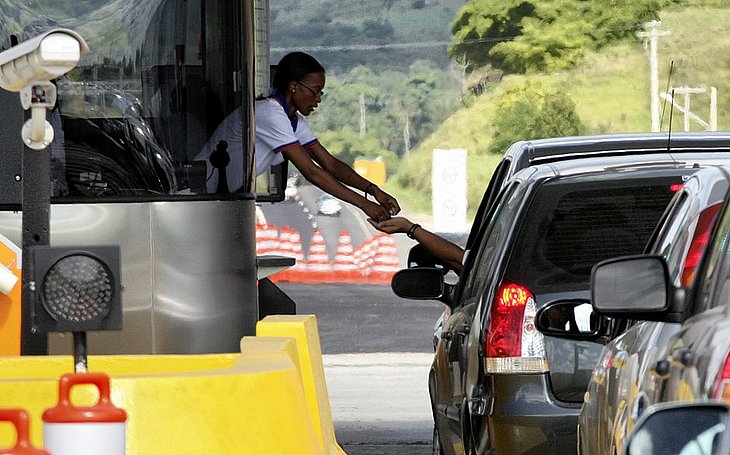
(282, 133)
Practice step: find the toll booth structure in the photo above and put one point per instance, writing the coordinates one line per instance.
(144, 158)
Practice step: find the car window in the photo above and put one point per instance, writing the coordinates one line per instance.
(715, 285)
(674, 237)
(490, 195)
(569, 227)
(488, 239)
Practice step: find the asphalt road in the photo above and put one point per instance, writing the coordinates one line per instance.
(377, 349)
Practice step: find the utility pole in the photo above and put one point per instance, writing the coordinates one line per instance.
(407, 135)
(651, 35)
(363, 128)
(686, 107)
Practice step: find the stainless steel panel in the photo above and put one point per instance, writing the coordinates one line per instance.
(188, 272)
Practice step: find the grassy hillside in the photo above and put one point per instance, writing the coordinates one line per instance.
(610, 90)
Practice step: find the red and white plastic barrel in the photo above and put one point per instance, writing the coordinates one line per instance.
(19, 418)
(84, 430)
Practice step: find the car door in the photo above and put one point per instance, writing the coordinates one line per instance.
(698, 356)
(457, 351)
(467, 366)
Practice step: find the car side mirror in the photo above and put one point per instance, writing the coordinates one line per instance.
(422, 283)
(573, 319)
(418, 256)
(634, 287)
(703, 430)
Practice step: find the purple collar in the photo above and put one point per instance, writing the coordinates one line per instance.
(294, 119)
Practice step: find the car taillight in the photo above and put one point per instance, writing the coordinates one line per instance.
(699, 243)
(722, 385)
(513, 344)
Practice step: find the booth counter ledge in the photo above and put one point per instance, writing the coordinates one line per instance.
(268, 399)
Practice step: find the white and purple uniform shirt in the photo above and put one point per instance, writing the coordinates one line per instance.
(276, 132)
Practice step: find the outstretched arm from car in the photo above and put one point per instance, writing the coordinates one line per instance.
(438, 246)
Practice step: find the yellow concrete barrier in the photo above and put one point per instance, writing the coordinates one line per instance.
(303, 328)
(269, 399)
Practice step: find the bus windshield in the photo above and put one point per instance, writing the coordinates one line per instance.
(157, 108)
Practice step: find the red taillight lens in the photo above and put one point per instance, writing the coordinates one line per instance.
(722, 385)
(699, 242)
(513, 344)
(674, 187)
(504, 337)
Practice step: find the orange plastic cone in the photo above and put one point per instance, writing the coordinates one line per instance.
(285, 248)
(319, 269)
(344, 268)
(297, 273)
(364, 255)
(385, 262)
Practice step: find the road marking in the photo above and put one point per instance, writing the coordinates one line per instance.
(378, 386)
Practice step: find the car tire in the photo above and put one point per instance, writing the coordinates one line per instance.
(437, 449)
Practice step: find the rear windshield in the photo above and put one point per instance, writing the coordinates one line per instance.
(570, 227)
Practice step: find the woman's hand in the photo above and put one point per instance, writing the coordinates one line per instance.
(376, 212)
(392, 226)
(386, 200)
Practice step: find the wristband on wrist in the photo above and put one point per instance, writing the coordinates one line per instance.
(412, 231)
(367, 189)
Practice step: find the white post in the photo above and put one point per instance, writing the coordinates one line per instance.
(652, 34)
(713, 108)
(363, 127)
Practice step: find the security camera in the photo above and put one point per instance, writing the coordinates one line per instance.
(42, 58)
(29, 67)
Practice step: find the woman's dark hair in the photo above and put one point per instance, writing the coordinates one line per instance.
(293, 67)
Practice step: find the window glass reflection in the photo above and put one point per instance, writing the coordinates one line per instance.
(133, 119)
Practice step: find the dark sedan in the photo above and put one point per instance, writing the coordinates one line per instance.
(497, 384)
(694, 363)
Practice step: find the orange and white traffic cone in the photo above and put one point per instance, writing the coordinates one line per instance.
(364, 256)
(267, 239)
(385, 262)
(297, 273)
(20, 419)
(319, 269)
(344, 268)
(286, 248)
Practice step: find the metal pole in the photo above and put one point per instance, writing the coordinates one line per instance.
(651, 34)
(36, 231)
(81, 364)
(713, 109)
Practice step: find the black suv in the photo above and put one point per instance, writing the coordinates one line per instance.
(497, 384)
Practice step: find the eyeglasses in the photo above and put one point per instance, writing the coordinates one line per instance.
(318, 94)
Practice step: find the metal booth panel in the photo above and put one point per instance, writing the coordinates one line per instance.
(188, 272)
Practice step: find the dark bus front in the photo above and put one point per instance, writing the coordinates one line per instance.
(133, 163)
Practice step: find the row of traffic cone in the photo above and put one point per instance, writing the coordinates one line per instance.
(374, 261)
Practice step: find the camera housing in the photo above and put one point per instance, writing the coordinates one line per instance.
(29, 67)
(40, 59)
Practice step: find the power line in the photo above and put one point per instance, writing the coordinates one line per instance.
(369, 47)
(362, 47)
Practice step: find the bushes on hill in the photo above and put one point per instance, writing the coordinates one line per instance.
(533, 110)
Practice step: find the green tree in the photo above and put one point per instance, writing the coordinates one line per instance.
(533, 110)
(519, 36)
